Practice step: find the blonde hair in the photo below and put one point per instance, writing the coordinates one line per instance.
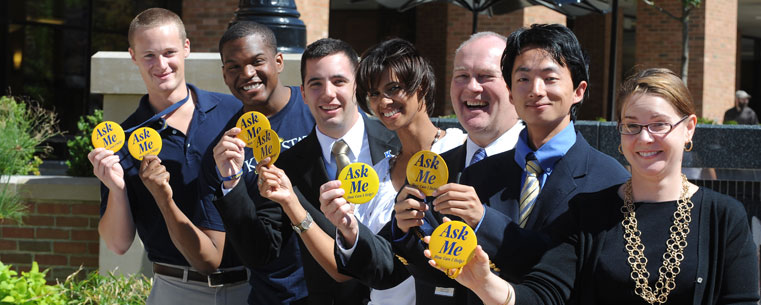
(155, 17)
(657, 81)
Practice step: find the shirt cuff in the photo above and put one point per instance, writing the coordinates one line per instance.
(395, 232)
(225, 190)
(480, 220)
(345, 253)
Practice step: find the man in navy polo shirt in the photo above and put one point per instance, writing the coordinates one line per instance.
(251, 69)
(158, 197)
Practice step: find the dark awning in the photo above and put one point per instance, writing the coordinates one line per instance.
(567, 7)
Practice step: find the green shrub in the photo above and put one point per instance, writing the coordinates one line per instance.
(706, 121)
(730, 122)
(24, 126)
(29, 288)
(81, 145)
(106, 289)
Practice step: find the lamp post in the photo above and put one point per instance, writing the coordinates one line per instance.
(279, 15)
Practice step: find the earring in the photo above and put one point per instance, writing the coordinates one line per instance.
(620, 151)
(688, 147)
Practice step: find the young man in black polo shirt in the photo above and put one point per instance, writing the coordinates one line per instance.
(155, 197)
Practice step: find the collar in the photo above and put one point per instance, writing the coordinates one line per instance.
(502, 144)
(550, 152)
(203, 102)
(353, 137)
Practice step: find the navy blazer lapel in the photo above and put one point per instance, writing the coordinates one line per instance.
(455, 159)
(380, 140)
(561, 182)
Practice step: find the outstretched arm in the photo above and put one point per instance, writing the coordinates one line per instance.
(275, 185)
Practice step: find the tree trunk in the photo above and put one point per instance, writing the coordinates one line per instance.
(685, 46)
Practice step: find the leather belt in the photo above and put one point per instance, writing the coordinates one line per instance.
(216, 279)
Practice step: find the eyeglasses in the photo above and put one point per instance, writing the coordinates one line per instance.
(390, 92)
(653, 128)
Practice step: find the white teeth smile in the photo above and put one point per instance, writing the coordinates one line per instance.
(647, 154)
(252, 86)
(389, 114)
(329, 107)
(475, 104)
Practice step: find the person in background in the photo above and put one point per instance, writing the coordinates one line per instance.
(741, 113)
(656, 238)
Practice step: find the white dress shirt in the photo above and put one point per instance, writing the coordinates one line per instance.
(359, 147)
(502, 144)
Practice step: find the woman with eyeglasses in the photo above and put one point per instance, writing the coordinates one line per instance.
(397, 85)
(656, 239)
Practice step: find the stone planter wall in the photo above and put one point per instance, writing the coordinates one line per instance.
(60, 230)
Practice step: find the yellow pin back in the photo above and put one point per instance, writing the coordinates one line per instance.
(144, 141)
(427, 171)
(251, 124)
(452, 244)
(266, 144)
(359, 181)
(108, 135)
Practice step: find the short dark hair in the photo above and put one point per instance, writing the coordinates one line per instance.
(155, 17)
(555, 39)
(400, 56)
(242, 29)
(325, 47)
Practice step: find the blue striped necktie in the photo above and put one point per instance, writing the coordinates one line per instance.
(531, 188)
(479, 155)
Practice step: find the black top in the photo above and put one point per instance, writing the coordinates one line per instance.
(613, 281)
(720, 267)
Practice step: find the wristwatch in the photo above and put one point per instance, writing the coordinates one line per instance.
(303, 225)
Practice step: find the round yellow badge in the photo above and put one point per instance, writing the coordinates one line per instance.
(144, 141)
(359, 181)
(108, 135)
(251, 124)
(266, 144)
(452, 244)
(427, 171)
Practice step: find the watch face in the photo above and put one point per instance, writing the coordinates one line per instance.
(304, 225)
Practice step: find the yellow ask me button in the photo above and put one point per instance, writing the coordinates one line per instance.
(452, 244)
(359, 182)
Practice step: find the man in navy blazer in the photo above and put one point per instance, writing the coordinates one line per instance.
(547, 74)
(328, 74)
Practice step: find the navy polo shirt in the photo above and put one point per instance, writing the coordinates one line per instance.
(182, 155)
(281, 281)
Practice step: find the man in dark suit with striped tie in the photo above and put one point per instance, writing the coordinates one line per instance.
(526, 190)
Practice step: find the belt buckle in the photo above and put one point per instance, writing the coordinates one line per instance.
(212, 283)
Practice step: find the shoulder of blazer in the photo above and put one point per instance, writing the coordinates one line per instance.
(455, 159)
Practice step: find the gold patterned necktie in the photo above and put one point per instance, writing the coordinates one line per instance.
(531, 188)
(340, 152)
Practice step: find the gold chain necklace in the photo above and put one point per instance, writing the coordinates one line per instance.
(675, 245)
